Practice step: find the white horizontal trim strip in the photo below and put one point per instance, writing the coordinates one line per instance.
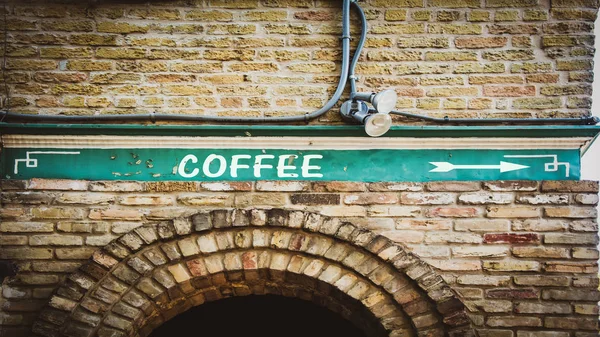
(288, 143)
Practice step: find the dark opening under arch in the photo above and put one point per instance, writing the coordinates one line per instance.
(265, 316)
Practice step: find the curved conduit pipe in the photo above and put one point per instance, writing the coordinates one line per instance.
(153, 117)
(347, 75)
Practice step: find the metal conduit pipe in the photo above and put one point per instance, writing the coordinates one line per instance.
(590, 120)
(361, 44)
(347, 75)
(153, 117)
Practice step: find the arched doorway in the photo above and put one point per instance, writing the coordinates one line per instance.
(151, 275)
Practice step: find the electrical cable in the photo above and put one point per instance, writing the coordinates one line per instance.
(359, 47)
(590, 120)
(347, 75)
(196, 118)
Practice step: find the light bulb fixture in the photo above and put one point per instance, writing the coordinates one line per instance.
(384, 102)
(376, 124)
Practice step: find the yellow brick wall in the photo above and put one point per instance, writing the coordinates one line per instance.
(521, 255)
(461, 58)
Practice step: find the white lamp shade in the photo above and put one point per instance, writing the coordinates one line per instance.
(378, 124)
(385, 101)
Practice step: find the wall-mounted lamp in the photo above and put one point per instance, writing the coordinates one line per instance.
(384, 102)
(376, 124)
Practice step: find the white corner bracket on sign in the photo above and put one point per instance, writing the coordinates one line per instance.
(32, 162)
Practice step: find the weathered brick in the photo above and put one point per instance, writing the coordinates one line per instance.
(570, 186)
(568, 238)
(455, 29)
(57, 213)
(513, 293)
(370, 199)
(513, 212)
(541, 252)
(542, 308)
(55, 240)
(585, 253)
(573, 323)
(445, 237)
(427, 198)
(539, 225)
(453, 186)
(511, 186)
(542, 281)
(315, 199)
(583, 226)
(489, 251)
(481, 225)
(511, 265)
(481, 42)
(571, 267)
(482, 198)
(512, 321)
(25, 253)
(484, 280)
(453, 212)
(570, 212)
(511, 238)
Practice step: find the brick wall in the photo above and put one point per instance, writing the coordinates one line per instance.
(462, 58)
(522, 256)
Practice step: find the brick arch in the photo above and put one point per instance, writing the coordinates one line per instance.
(153, 273)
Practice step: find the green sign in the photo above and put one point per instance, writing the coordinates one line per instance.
(233, 164)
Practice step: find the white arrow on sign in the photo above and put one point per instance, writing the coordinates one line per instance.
(503, 167)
